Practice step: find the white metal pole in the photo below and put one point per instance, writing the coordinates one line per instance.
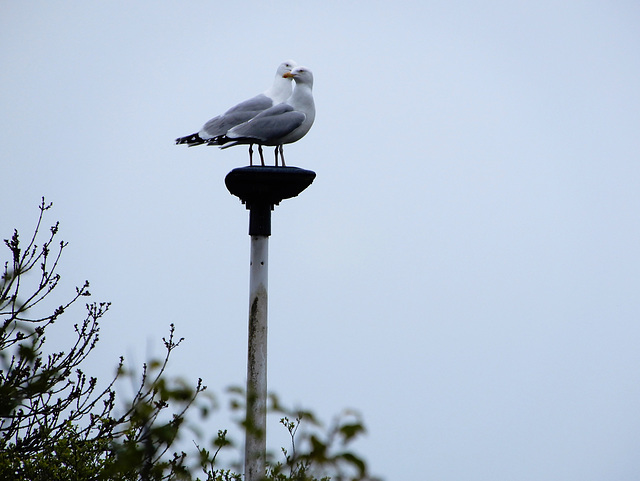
(260, 189)
(255, 444)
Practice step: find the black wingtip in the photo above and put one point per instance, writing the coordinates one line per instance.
(219, 140)
(190, 140)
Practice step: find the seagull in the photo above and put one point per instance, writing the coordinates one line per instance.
(220, 125)
(284, 123)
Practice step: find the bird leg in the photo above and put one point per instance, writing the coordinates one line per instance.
(250, 154)
(275, 151)
(261, 156)
(282, 154)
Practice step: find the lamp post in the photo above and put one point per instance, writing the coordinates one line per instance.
(261, 189)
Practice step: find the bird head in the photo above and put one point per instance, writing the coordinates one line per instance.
(300, 74)
(286, 67)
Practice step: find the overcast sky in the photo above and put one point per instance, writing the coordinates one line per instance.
(465, 268)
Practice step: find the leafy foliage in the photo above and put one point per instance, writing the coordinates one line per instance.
(56, 423)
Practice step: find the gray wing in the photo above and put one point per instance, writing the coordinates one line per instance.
(269, 125)
(234, 116)
(260, 102)
(220, 125)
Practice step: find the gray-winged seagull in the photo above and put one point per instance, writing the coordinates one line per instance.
(281, 124)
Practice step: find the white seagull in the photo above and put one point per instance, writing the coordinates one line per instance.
(284, 123)
(220, 125)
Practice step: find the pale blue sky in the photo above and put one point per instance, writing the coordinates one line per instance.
(465, 268)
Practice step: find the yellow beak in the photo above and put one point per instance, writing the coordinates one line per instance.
(288, 75)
